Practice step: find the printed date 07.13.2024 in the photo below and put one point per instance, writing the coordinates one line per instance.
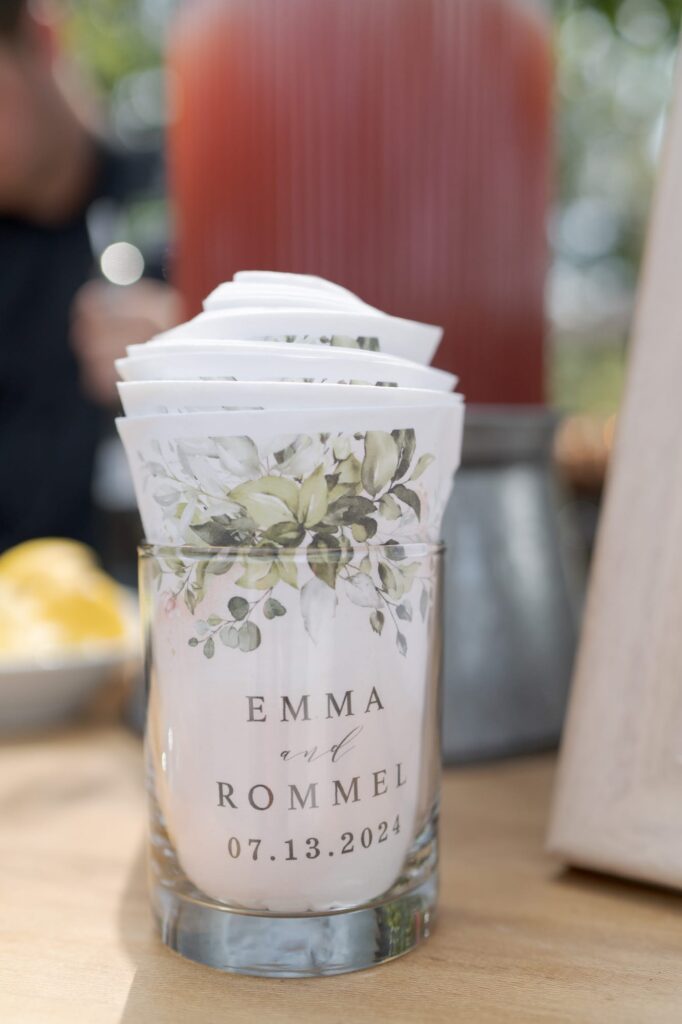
(313, 847)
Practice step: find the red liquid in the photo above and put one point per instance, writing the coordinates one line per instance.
(398, 147)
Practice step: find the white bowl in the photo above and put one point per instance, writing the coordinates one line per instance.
(39, 695)
(252, 361)
(154, 398)
(36, 693)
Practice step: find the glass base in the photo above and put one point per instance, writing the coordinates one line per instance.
(302, 946)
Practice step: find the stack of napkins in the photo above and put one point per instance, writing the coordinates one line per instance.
(290, 413)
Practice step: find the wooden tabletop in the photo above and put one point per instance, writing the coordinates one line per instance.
(518, 939)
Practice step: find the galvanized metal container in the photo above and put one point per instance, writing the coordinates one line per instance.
(513, 583)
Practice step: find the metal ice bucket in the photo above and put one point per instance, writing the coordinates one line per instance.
(513, 584)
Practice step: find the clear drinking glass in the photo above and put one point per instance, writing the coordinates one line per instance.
(293, 752)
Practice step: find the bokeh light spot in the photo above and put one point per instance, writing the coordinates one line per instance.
(122, 263)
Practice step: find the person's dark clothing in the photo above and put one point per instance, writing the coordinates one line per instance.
(48, 428)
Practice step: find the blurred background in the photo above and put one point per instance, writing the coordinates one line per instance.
(613, 68)
(544, 153)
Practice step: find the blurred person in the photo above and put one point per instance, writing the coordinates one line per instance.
(58, 334)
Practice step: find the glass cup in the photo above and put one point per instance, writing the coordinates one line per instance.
(293, 752)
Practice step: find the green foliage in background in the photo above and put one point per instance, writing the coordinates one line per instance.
(614, 71)
(588, 378)
(614, 77)
(113, 38)
(611, 7)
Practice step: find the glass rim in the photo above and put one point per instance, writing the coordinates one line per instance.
(410, 549)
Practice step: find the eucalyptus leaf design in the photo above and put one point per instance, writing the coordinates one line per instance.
(380, 462)
(376, 621)
(273, 608)
(321, 496)
(406, 443)
(423, 463)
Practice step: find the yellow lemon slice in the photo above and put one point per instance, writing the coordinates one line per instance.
(46, 558)
(22, 630)
(54, 597)
(89, 609)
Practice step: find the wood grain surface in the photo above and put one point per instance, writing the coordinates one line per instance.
(517, 940)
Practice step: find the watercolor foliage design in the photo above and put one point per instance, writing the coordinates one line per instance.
(314, 518)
